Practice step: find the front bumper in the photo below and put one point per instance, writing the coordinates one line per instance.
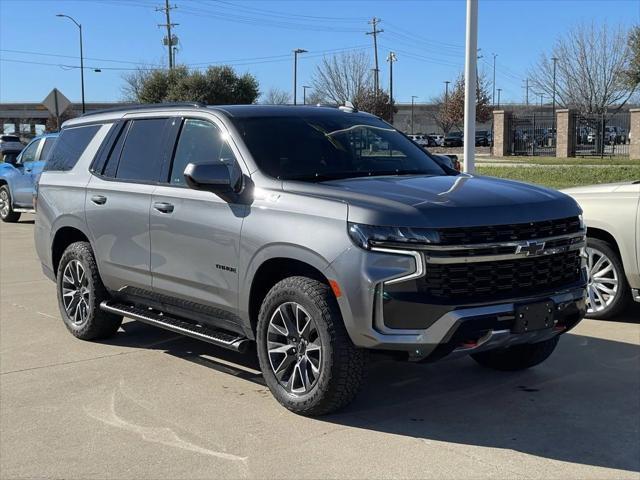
(450, 329)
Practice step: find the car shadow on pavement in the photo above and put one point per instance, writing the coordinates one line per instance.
(581, 406)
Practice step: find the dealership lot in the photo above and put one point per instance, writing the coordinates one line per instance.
(150, 404)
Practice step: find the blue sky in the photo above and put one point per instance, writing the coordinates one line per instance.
(258, 36)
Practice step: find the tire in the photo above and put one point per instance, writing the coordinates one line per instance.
(518, 357)
(341, 365)
(81, 313)
(597, 249)
(6, 209)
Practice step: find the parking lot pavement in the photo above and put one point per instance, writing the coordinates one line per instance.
(149, 404)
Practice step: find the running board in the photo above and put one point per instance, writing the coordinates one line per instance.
(23, 210)
(221, 338)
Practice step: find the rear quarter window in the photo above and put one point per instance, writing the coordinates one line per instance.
(69, 146)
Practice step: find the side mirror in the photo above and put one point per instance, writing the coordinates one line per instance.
(219, 178)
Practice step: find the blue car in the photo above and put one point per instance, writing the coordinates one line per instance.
(19, 177)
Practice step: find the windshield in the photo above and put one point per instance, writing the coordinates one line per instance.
(325, 147)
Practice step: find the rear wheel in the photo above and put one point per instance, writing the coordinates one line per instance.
(608, 290)
(518, 357)
(306, 356)
(6, 210)
(80, 292)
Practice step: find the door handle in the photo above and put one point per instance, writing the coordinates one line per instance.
(28, 170)
(163, 207)
(99, 199)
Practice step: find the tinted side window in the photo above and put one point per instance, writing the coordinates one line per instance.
(48, 143)
(200, 142)
(69, 147)
(29, 153)
(141, 157)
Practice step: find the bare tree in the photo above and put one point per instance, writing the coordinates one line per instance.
(343, 77)
(440, 114)
(633, 70)
(452, 113)
(275, 96)
(592, 62)
(133, 84)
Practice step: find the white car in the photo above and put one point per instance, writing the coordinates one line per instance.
(421, 140)
(612, 216)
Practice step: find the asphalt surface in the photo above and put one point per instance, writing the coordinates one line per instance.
(148, 404)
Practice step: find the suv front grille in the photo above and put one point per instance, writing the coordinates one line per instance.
(475, 281)
(510, 232)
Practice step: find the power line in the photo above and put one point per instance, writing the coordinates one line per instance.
(29, 52)
(283, 14)
(235, 62)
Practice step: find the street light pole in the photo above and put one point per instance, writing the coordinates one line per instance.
(555, 61)
(391, 58)
(413, 97)
(470, 66)
(499, 90)
(304, 94)
(81, 56)
(295, 73)
(493, 97)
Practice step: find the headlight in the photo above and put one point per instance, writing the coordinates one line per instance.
(368, 236)
(581, 221)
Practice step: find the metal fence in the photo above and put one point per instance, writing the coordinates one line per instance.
(602, 134)
(533, 134)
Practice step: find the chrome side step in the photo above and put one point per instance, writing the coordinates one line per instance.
(220, 338)
(635, 292)
(24, 210)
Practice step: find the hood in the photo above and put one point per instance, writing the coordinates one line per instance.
(600, 188)
(442, 201)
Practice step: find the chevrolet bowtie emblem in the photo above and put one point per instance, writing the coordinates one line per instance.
(530, 248)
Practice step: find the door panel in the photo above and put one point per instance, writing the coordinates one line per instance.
(118, 218)
(195, 246)
(22, 187)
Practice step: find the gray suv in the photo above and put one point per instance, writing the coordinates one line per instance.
(318, 233)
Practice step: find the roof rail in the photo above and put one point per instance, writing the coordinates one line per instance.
(147, 106)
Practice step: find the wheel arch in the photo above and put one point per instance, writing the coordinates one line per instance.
(63, 237)
(605, 236)
(270, 272)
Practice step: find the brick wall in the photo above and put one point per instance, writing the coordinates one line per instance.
(634, 134)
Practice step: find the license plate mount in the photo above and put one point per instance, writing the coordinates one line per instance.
(534, 316)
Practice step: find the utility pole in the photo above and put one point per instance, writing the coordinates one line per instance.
(304, 94)
(169, 42)
(391, 58)
(527, 94)
(493, 95)
(376, 78)
(446, 91)
(413, 97)
(499, 90)
(295, 73)
(541, 97)
(470, 67)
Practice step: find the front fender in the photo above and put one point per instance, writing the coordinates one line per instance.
(276, 250)
(8, 173)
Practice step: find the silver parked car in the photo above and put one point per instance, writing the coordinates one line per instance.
(282, 226)
(612, 216)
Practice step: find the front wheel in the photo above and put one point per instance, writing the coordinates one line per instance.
(608, 290)
(6, 210)
(306, 356)
(518, 357)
